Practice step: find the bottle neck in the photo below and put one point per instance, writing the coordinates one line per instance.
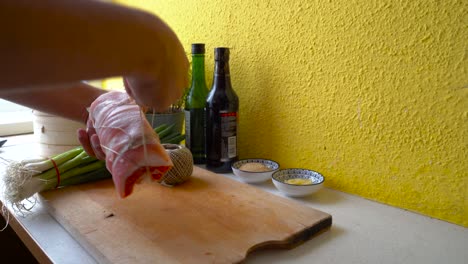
(222, 74)
(198, 69)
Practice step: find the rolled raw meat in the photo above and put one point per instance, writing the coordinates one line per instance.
(124, 132)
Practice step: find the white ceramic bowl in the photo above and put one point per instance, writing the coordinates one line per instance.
(294, 190)
(251, 176)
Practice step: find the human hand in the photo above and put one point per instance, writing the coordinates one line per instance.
(90, 141)
(164, 82)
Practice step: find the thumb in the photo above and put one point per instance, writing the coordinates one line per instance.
(128, 87)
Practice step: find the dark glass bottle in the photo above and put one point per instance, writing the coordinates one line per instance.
(221, 110)
(195, 106)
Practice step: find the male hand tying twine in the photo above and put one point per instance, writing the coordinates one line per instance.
(48, 47)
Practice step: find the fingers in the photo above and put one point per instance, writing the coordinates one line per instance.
(128, 88)
(91, 144)
(155, 93)
(96, 144)
(85, 142)
(164, 85)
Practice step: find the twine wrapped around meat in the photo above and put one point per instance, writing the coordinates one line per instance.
(131, 147)
(183, 164)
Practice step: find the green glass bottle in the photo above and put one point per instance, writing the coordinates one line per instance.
(195, 104)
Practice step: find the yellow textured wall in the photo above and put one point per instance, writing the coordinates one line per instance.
(373, 94)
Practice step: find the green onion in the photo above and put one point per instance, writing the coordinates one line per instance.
(176, 139)
(47, 164)
(94, 175)
(80, 159)
(167, 134)
(21, 182)
(78, 174)
(166, 131)
(160, 128)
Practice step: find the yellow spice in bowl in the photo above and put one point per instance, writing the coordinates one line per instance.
(299, 181)
(254, 167)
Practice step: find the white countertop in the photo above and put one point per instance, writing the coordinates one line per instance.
(362, 232)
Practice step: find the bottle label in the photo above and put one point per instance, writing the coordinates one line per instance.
(187, 129)
(195, 131)
(228, 135)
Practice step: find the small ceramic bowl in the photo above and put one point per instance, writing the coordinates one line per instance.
(296, 190)
(253, 176)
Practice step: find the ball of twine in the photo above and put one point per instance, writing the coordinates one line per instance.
(183, 164)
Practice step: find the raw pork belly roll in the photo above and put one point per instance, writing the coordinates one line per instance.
(123, 132)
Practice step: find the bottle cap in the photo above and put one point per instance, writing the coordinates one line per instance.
(221, 53)
(198, 48)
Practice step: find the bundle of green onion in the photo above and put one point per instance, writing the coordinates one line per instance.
(24, 179)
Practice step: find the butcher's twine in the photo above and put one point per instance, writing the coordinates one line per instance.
(183, 164)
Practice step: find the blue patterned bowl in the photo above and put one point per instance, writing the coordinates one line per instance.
(252, 176)
(295, 190)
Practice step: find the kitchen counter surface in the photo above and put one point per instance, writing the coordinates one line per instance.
(363, 231)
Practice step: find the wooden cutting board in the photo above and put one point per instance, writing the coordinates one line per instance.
(208, 219)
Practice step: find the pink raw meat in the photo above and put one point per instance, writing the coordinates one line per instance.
(123, 131)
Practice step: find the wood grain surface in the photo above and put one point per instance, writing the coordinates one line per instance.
(208, 219)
